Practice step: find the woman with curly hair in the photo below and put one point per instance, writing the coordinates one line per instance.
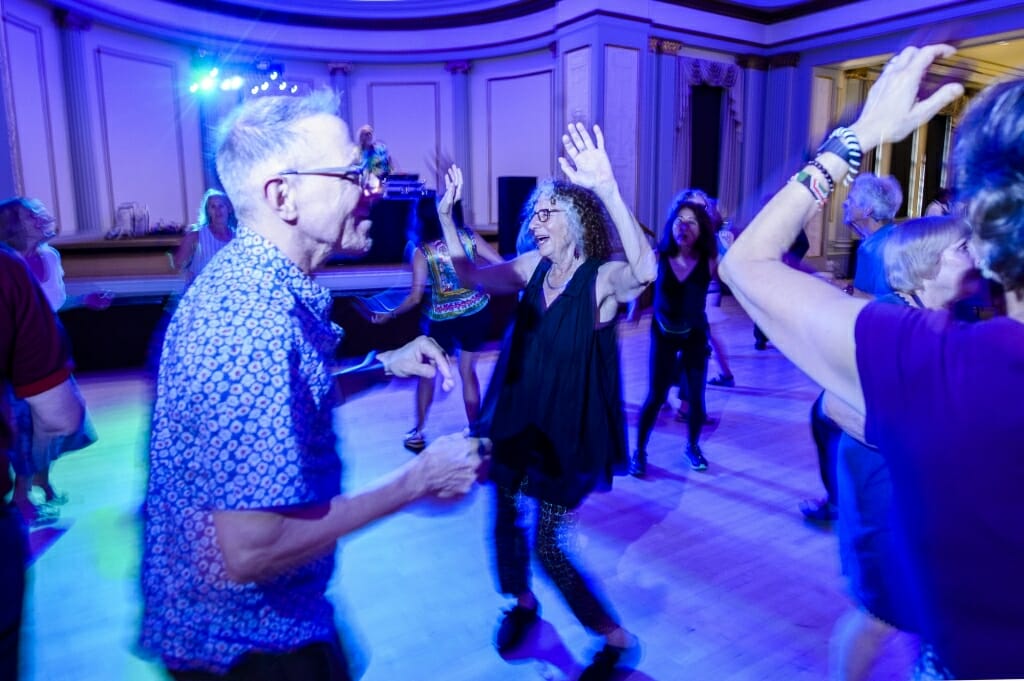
(554, 405)
(687, 259)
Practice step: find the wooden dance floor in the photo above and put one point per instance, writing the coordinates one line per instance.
(716, 572)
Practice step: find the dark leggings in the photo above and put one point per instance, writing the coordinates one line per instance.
(826, 435)
(555, 533)
(674, 355)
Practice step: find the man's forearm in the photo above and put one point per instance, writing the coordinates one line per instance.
(260, 545)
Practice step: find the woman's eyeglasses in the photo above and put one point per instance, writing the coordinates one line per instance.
(544, 214)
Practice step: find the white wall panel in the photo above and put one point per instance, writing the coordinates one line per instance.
(520, 134)
(578, 86)
(32, 117)
(622, 117)
(406, 117)
(143, 147)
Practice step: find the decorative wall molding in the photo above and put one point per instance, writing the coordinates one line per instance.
(664, 46)
(14, 134)
(752, 61)
(413, 141)
(71, 20)
(784, 60)
(461, 66)
(621, 116)
(536, 155)
(106, 75)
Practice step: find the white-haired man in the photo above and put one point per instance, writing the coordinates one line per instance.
(244, 507)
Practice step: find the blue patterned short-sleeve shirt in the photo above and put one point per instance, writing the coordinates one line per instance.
(242, 420)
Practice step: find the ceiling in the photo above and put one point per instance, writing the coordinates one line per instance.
(412, 14)
(363, 19)
(999, 56)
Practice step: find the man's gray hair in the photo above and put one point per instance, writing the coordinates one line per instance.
(881, 197)
(913, 251)
(261, 130)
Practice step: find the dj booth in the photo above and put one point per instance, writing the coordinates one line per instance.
(391, 219)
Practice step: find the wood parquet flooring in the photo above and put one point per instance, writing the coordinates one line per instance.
(716, 572)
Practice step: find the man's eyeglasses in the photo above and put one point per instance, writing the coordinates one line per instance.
(358, 174)
(544, 214)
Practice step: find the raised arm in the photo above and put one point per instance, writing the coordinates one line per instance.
(807, 319)
(586, 163)
(499, 277)
(486, 251)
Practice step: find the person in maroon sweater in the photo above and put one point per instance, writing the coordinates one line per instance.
(34, 366)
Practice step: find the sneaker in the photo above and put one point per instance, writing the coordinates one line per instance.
(696, 457)
(515, 625)
(414, 441)
(44, 515)
(638, 464)
(723, 381)
(819, 510)
(602, 668)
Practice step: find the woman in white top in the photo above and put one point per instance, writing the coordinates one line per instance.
(26, 227)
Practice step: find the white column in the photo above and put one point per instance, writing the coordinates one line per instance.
(80, 134)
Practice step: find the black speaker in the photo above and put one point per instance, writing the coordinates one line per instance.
(513, 191)
(390, 230)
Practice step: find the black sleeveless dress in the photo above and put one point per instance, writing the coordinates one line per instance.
(554, 404)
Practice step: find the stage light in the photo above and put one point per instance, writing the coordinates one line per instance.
(256, 76)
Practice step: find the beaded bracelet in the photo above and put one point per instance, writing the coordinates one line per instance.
(814, 163)
(818, 190)
(843, 143)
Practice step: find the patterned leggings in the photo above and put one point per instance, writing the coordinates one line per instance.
(555, 537)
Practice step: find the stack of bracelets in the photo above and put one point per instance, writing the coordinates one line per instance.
(842, 143)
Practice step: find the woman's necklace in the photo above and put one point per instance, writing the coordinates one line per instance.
(568, 277)
(910, 298)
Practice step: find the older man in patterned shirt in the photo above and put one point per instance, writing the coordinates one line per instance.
(244, 506)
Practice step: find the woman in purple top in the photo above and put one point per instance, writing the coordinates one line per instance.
(925, 262)
(933, 391)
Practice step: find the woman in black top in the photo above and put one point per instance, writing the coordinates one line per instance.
(554, 405)
(687, 259)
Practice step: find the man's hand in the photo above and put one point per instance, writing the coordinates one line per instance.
(422, 357)
(451, 464)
